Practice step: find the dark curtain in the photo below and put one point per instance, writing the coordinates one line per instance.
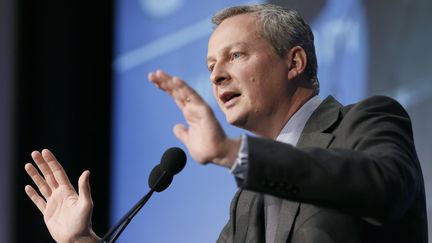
(62, 99)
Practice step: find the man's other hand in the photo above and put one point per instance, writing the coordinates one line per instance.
(67, 214)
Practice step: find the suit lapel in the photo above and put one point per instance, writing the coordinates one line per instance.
(249, 218)
(287, 215)
(313, 135)
(319, 140)
(316, 131)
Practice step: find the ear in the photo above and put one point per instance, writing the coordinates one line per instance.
(296, 61)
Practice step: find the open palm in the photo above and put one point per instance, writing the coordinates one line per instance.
(67, 214)
(203, 135)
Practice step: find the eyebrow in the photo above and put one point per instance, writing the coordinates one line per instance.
(208, 59)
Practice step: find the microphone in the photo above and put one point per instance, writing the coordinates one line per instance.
(172, 162)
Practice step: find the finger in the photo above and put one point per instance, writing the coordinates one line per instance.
(84, 187)
(177, 88)
(160, 79)
(181, 132)
(163, 80)
(186, 93)
(36, 199)
(41, 184)
(45, 169)
(56, 168)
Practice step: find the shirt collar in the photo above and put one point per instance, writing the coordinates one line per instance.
(291, 131)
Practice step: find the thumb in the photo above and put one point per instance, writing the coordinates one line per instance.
(84, 192)
(181, 132)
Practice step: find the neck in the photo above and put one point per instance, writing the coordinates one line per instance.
(277, 121)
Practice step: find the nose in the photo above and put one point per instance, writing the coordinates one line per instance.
(219, 74)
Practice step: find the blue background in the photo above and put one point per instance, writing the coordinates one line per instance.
(172, 35)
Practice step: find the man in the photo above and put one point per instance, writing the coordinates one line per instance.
(334, 174)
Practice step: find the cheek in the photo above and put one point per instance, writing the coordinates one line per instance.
(214, 88)
(215, 95)
(263, 93)
(255, 94)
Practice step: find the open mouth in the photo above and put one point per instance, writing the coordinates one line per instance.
(227, 96)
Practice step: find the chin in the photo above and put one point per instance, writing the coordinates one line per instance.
(238, 121)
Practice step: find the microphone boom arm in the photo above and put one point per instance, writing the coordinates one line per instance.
(125, 220)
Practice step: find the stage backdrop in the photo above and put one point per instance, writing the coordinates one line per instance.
(7, 24)
(172, 35)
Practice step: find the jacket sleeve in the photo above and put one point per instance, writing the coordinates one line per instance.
(370, 168)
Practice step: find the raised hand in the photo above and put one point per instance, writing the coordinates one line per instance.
(204, 137)
(67, 214)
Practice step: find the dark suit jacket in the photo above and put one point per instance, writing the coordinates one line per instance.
(353, 177)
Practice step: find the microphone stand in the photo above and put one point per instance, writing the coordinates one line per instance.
(125, 220)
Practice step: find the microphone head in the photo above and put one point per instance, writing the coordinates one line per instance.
(173, 160)
(165, 179)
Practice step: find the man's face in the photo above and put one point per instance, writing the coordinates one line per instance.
(250, 81)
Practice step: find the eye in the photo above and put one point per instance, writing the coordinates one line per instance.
(236, 55)
(211, 67)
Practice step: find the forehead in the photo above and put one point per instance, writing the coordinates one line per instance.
(232, 31)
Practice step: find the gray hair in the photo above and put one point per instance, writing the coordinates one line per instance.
(283, 28)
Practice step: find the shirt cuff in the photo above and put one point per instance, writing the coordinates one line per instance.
(240, 167)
